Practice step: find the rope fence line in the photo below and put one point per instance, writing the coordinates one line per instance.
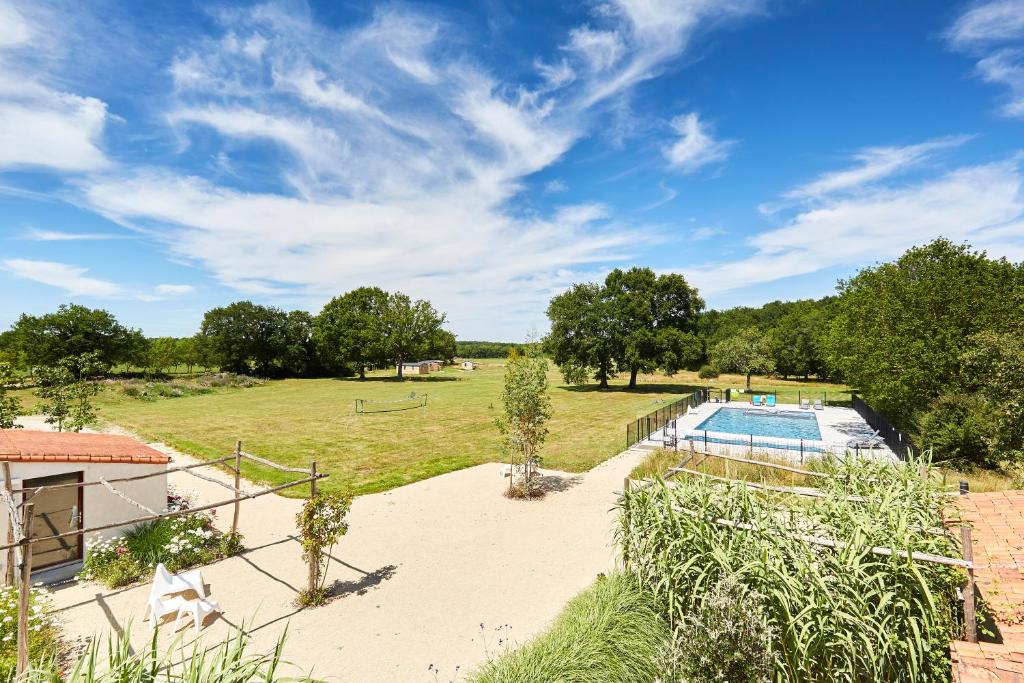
(122, 496)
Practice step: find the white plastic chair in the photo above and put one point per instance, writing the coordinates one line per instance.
(817, 404)
(165, 583)
(197, 610)
(805, 404)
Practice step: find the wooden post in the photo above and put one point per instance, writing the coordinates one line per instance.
(314, 558)
(9, 487)
(970, 618)
(238, 486)
(25, 589)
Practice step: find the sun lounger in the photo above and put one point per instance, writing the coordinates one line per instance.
(805, 404)
(165, 583)
(817, 404)
(770, 401)
(755, 400)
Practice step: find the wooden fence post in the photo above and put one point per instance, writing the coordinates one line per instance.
(238, 486)
(9, 488)
(970, 619)
(25, 589)
(314, 557)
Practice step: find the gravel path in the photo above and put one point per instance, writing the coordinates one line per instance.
(422, 567)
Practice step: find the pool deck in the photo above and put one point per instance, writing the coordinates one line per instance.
(837, 426)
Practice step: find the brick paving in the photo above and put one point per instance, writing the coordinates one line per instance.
(998, 538)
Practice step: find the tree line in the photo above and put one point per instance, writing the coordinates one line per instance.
(364, 328)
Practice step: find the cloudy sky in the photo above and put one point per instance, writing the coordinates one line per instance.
(161, 158)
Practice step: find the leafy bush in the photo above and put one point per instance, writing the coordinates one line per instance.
(611, 632)
(956, 427)
(178, 542)
(708, 372)
(838, 613)
(321, 522)
(117, 662)
(726, 638)
(43, 630)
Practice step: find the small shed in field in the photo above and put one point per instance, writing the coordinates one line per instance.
(39, 458)
(467, 365)
(421, 367)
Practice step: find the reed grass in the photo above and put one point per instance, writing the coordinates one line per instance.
(843, 614)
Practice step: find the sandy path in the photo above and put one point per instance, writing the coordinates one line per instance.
(422, 567)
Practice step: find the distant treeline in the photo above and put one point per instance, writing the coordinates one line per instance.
(484, 349)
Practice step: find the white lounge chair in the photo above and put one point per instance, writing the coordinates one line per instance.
(805, 404)
(165, 583)
(817, 404)
(197, 610)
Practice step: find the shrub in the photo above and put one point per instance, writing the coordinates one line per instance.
(609, 633)
(956, 427)
(708, 372)
(178, 543)
(43, 631)
(838, 614)
(321, 522)
(726, 638)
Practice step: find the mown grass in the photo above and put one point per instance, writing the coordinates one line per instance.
(296, 421)
(610, 633)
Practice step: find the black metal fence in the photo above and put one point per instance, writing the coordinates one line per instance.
(642, 428)
(896, 440)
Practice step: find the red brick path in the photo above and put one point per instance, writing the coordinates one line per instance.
(998, 535)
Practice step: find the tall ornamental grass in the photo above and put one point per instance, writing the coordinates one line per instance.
(610, 633)
(840, 614)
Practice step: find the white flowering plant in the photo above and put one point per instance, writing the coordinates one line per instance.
(177, 542)
(43, 629)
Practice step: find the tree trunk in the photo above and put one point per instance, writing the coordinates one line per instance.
(632, 378)
(400, 375)
(362, 372)
(748, 381)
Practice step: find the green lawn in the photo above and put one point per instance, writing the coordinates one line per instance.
(296, 421)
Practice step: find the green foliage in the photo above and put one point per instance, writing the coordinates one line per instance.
(412, 329)
(902, 329)
(348, 330)
(116, 661)
(43, 631)
(838, 614)
(636, 320)
(725, 638)
(484, 349)
(708, 371)
(745, 352)
(177, 542)
(610, 633)
(957, 428)
(10, 405)
(68, 392)
(526, 409)
(994, 372)
(321, 523)
(72, 331)
(244, 337)
(163, 352)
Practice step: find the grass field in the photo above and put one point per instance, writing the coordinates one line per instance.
(295, 421)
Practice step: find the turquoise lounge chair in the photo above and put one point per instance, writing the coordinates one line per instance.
(770, 401)
(755, 400)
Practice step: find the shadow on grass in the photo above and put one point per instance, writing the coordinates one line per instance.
(663, 388)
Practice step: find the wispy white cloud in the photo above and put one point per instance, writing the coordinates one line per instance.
(982, 204)
(174, 290)
(556, 185)
(40, 125)
(993, 31)
(874, 164)
(668, 194)
(72, 279)
(64, 236)
(696, 146)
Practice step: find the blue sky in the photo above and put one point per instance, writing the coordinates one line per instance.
(158, 159)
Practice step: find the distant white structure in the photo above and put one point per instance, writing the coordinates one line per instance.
(467, 365)
(420, 367)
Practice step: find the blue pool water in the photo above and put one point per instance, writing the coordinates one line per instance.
(786, 424)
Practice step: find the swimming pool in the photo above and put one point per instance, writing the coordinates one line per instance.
(786, 424)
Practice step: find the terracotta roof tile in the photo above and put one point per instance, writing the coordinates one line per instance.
(24, 445)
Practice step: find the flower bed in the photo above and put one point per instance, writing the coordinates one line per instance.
(43, 630)
(178, 543)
